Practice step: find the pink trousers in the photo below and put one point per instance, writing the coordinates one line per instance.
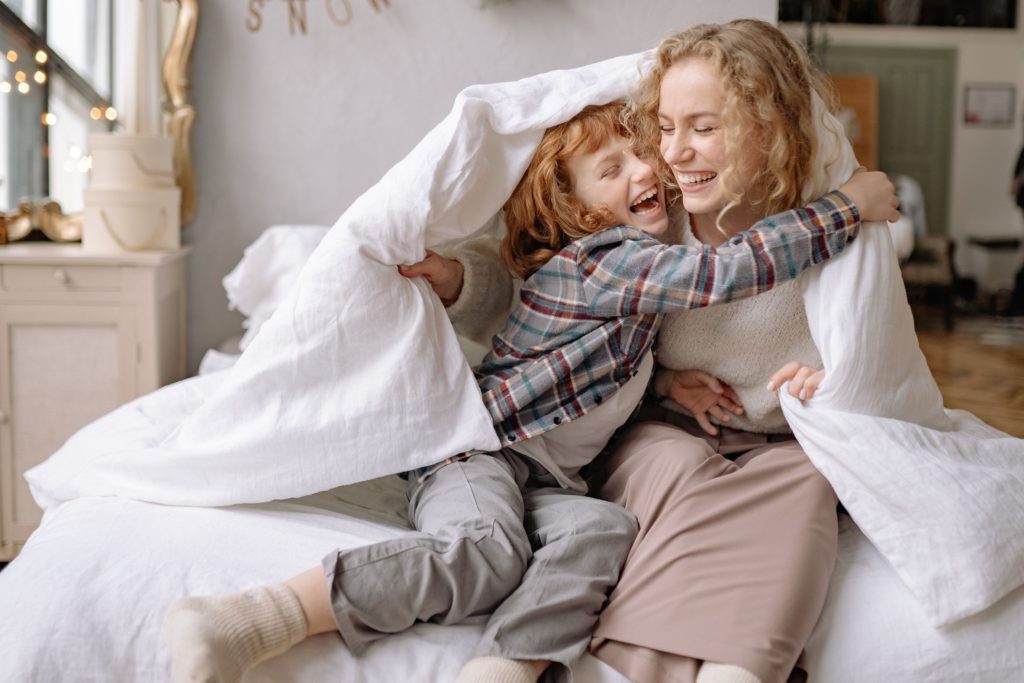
(732, 561)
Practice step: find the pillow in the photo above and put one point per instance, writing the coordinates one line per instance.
(267, 272)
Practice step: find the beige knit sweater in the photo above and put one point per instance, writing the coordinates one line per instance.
(743, 343)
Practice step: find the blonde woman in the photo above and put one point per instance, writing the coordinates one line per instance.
(732, 565)
(737, 528)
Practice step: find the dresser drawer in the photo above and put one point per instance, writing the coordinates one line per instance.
(39, 278)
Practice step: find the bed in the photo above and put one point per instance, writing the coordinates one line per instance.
(85, 599)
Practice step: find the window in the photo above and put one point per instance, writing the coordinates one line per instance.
(956, 13)
(55, 89)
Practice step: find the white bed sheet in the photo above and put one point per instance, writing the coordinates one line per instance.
(85, 599)
(873, 630)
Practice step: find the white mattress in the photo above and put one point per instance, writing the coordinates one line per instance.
(85, 599)
(872, 629)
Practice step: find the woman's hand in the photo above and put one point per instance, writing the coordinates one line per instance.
(873, 194)
(803, 379)
(444, 275)
(701, 394)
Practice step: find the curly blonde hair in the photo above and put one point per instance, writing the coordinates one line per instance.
(543, 215)
(768, 81)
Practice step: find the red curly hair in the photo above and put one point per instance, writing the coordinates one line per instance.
(543, 214)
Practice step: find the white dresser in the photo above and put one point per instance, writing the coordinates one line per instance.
(80, 334)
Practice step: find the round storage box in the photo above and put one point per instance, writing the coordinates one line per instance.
(132, 220)
(121, 161)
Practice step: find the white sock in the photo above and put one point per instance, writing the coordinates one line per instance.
(215, 639)
(497, 670)
(713, 672)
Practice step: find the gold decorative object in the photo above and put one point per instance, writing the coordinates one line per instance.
(46, 216)
(177, 60)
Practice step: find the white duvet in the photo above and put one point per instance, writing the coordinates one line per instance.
(358, 373)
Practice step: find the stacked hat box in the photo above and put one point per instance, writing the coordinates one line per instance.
(132, 203)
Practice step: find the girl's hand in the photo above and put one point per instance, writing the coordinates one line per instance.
(701, 394)
(873, 194)
(444, 275)
(803, 379)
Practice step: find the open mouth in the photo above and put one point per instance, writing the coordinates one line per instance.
(646, 203)
(695, 180)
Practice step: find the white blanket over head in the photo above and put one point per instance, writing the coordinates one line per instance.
(358, 374)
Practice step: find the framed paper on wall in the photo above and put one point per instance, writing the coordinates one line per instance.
(989, 104)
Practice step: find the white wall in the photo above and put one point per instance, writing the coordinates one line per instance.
(983, 158)
(292, 128)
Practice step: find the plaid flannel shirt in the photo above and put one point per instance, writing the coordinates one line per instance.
(586, 318)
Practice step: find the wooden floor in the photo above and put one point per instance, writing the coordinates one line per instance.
(979, 367)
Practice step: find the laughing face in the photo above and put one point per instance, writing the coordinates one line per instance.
(614, 177)
(690, 116)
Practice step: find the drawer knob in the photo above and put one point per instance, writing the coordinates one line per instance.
(61, 276)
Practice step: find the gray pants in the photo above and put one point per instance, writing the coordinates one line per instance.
(479, 521)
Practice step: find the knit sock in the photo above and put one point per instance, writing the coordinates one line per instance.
(215, 639)
(713, 672)
(497, 670)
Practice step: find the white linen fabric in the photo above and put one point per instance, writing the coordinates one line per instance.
(262, 280)
(873, 629)
(267, 273)
(939, 493)
(358, 373)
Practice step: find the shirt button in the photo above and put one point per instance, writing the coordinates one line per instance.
(511, 437)
(557, 420)
(598, 400)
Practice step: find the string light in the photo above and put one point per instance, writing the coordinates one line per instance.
(23, 88)
(95, 113)
(111, 114)
(74, 151)
(48, 118)
(12, 56)
(20, 76)
(41, 57)
(40, 77)
(5, 87)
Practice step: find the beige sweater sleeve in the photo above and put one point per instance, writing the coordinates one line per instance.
(488, 290)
